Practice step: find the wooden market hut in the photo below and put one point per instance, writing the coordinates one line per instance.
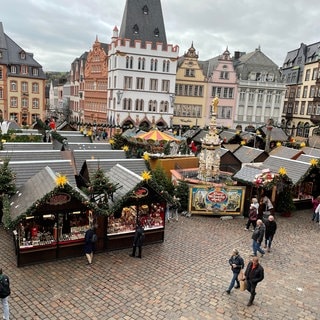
(50, 217)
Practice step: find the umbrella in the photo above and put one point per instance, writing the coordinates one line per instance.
(156, 135)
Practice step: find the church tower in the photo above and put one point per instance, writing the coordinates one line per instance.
(141, 69)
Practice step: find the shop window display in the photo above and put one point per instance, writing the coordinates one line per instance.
(48, 229)
(150, 216)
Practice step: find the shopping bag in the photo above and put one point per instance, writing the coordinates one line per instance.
(243, 285)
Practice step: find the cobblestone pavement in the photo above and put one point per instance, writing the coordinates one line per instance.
(184, 278)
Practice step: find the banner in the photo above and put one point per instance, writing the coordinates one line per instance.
(226, 200)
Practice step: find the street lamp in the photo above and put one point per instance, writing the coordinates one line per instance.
(172, 99)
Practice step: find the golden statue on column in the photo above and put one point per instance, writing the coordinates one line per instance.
(209, 160)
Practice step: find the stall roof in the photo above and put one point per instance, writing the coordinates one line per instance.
(247, 173)
(295, 169)
(34, 189)
(125, 178)
(247, 154)
(314, 141)
(80, 156)
(135, 165)
(286, 152)
(311, 151)
(27, 146)
(30, 155)
(88, 146)
(277, 134)
(306, 158)
(24, 170)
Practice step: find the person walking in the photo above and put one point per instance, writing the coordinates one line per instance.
(257, 238)
(315, 204)
(271, 228)
(138, 241)
(237, 264)
(90, 239)
(253, 214)
(254, 274)
(4, 294)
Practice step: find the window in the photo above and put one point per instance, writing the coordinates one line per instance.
(35, 71)
(315, 74)
(13, 102)
(140, 84)
(165, 86)
(24, 69)
(13, 116)
(260, 95)
(13, 86)
(224, 75)
(303, 106)
(278, 97)
(35, 116)
(189, 73)
(269, 96)
(1, 74)
(298, 92)
(35, 87)
(305, 92)
(153, 84)
(251, 95)
(164, 106)
(22, 55)
(312, 92)
(139, 105)
(1, 93)
(165, 65)
(35, 103)
(24, 102)
(129, 62)
(13, 69)
(24, 87)
(126, 104)
(224, 112)
(307, 77)
(127, 83)
(152, 106)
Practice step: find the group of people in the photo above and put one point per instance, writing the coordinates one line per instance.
(264, 229)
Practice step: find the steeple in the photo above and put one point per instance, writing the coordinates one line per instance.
(143, 20)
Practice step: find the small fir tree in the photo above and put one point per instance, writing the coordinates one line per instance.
(182, 192)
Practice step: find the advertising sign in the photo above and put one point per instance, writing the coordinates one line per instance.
(209, 200)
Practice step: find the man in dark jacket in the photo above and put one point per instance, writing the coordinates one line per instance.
(271, 228)
(257, 238)
(254, 274)
(138, 241)
(4, 294)
(237, 264)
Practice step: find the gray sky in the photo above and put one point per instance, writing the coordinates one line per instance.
(59, 31)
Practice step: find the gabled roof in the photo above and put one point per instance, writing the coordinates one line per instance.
(247, 154)
(30, 155)
(88, 146)
(24, 170)
(135, 165)
(125, 178)
(306, 158)
(295, 169)
(34, 189)
(314, 141)
(80, 156)
(285, 152)
(277, 134)
(311, 151)
(247, 173)
(143, 20)
(27, 146)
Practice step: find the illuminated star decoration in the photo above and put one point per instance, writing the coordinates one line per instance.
(146, 157)
(111, 141)
(61, 180)
(282, 171)
(313, 162)
(125, 148)
(279, 144)
(146, 175)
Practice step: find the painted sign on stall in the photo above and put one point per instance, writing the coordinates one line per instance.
(221, 200)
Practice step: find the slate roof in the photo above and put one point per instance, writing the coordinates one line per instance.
(277, 134)
(135, 165)
(88, 146)
(147, 25)
(24, 170)
(247, 154)
(35, 188)
(248, 172)
(285, 152)
(31, 155)
(295, 169)
(125, 178)
(311, 151)
(27, 146)
(80, 156)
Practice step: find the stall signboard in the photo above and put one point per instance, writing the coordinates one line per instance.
(216, 200)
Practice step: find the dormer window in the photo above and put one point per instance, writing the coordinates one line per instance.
(35, 72)
(22, 55)
(156, 32)
(135, 29)
(145, 9)
(13, 69)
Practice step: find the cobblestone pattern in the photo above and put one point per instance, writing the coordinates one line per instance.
(184, 278)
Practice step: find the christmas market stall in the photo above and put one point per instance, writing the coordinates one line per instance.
(145, 203)
(50, 217)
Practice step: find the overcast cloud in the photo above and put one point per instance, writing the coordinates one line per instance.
(59, 31)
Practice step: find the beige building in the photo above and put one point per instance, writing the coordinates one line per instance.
(22, 84)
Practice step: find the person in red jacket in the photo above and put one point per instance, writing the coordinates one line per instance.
(254, 274)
